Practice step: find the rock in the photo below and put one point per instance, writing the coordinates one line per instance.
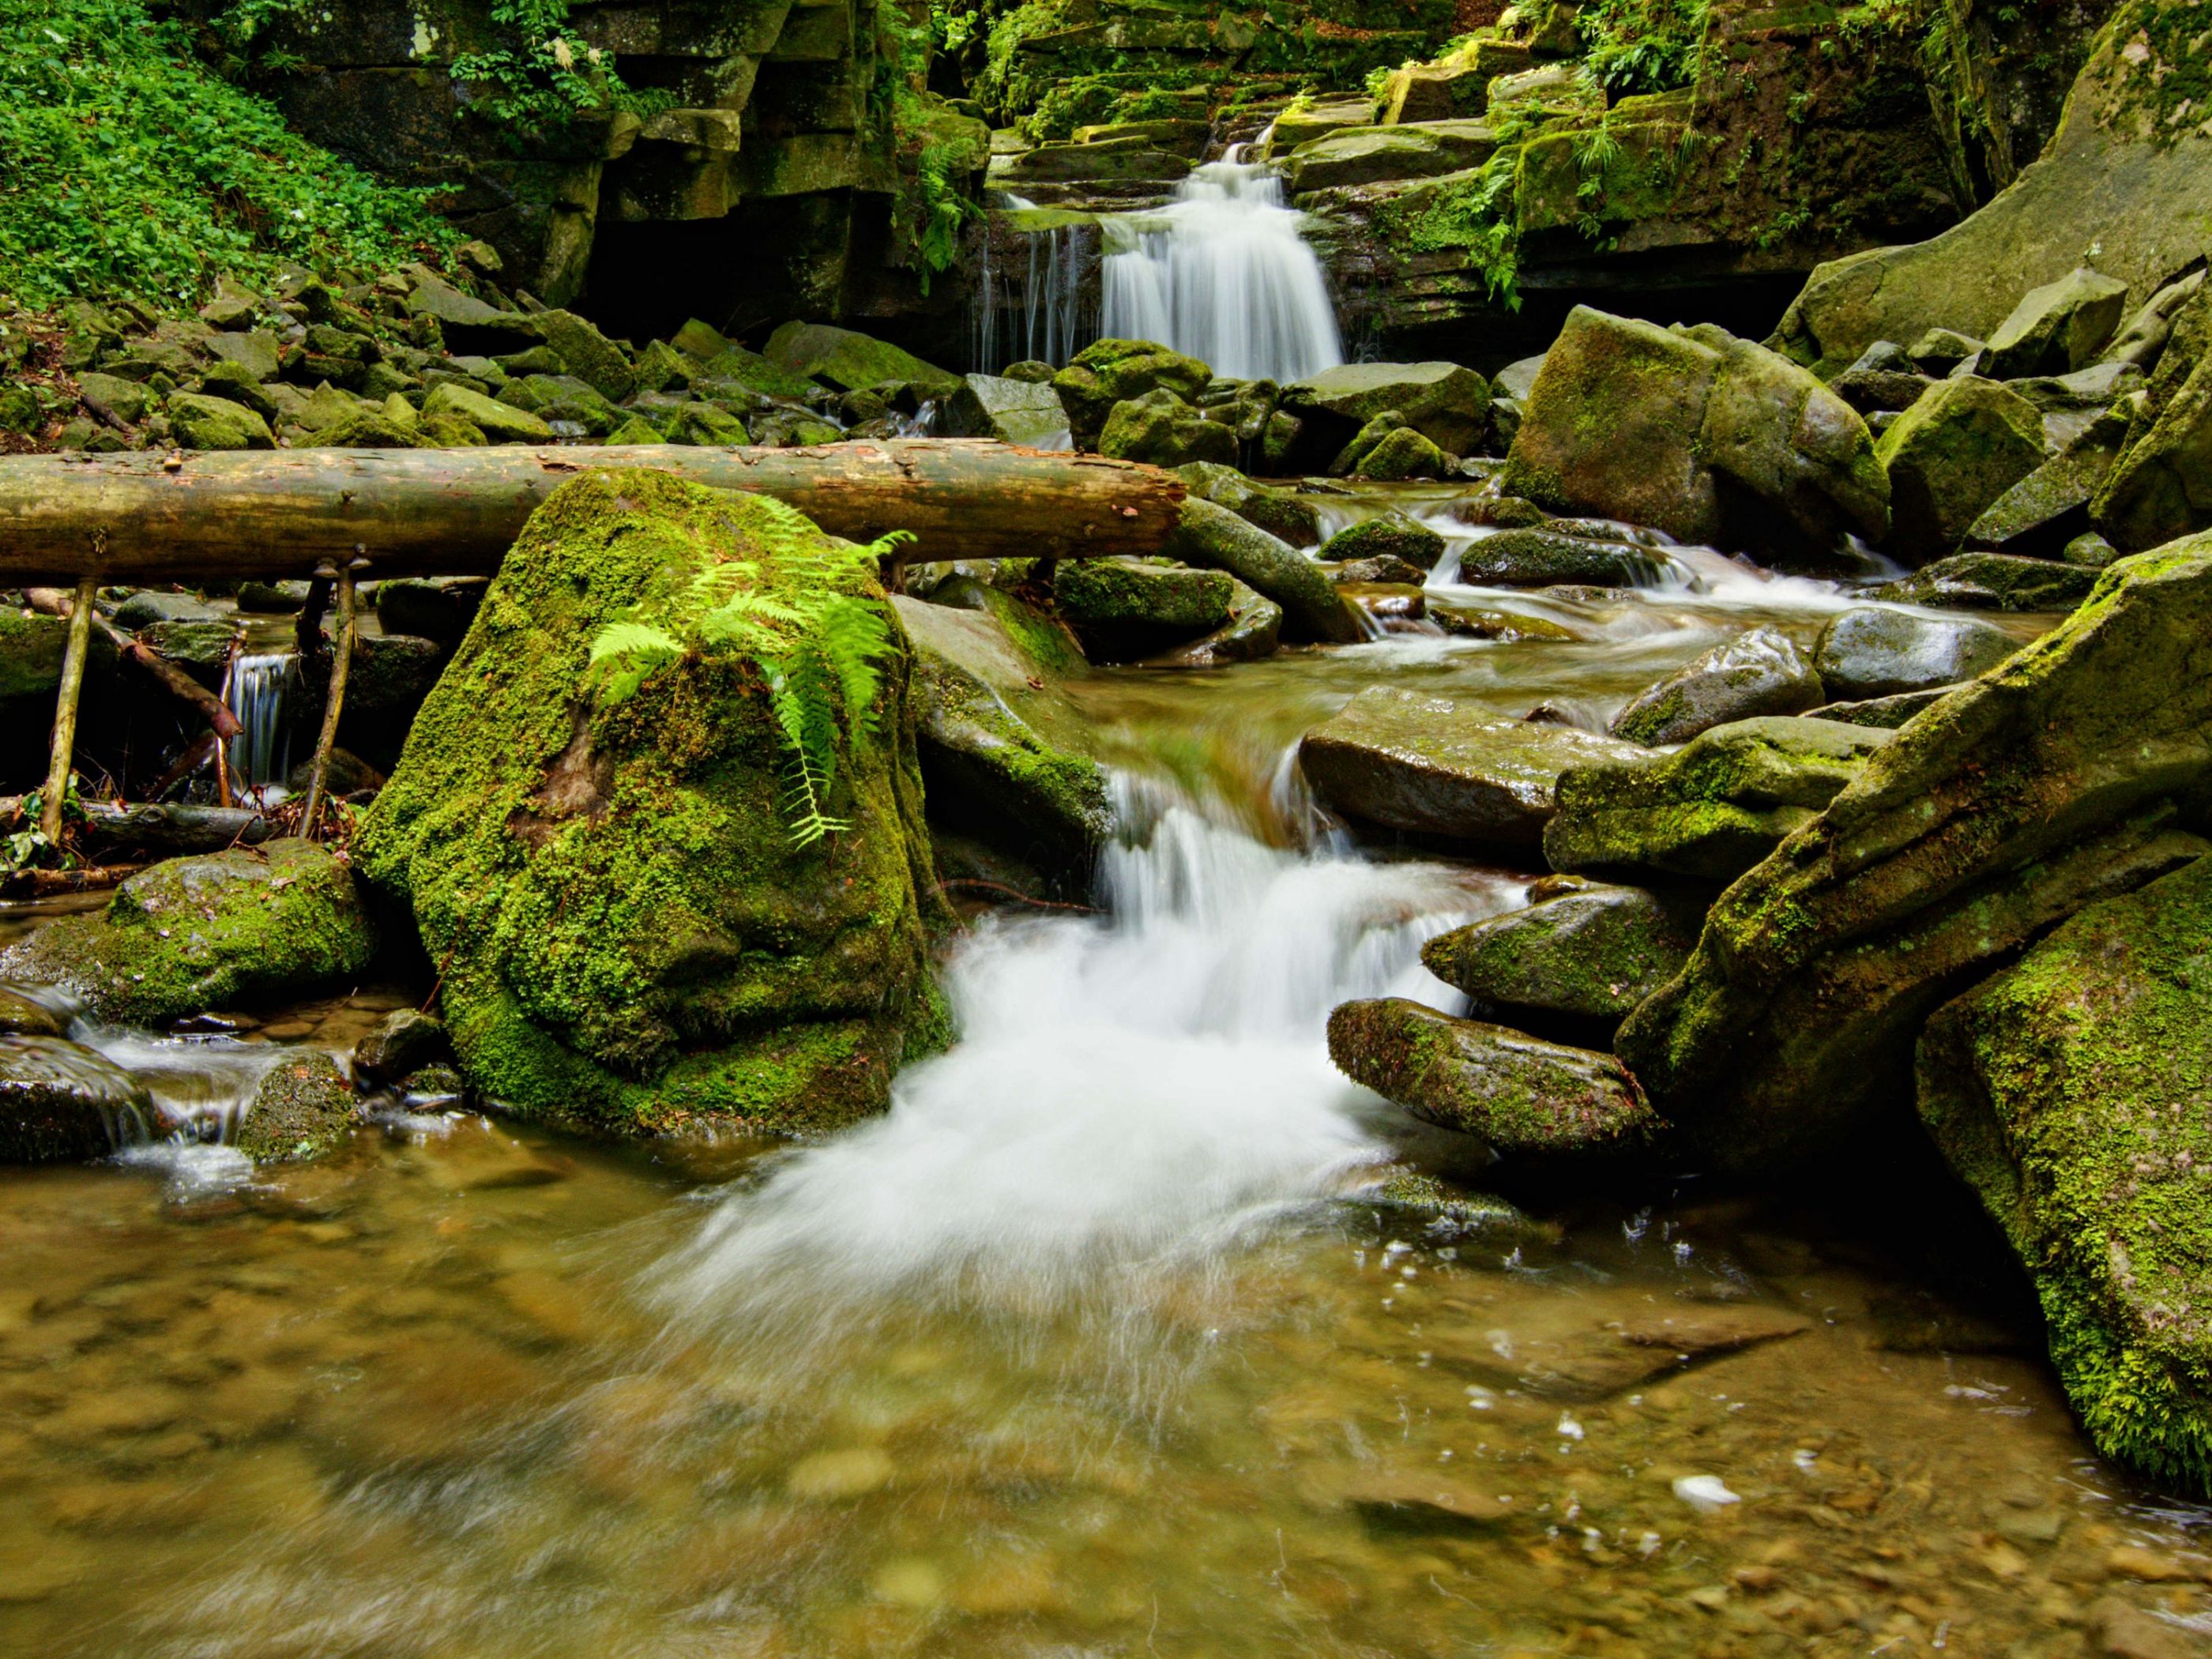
(1383, 568)
(2122, 176)
(2051, 506)
(302, 1109)
(125, 399)
(1254, 631)
(1517, 379)
(1288, 517)
(149, 605)
(1121, 599)
(1939, 350)
(2058, 1090)
(1992, 582)
(1425, 1497)
(1884, 377)
(634, 941)
(1518, 1093)
(404, 1043)
(2091, 551)
(61, 1103)
(1594, 952)
(587, 354)
(1432, 765)
(1712, 809)
(200, 421)
(704, 424)
(256, 351)
(2161, 486)
(23, 1016)
(348, 774)
(1109, 372)
(1445, 402)
(1294, 127)
(1549, 558)
(2056, 328)
(1012, 411)
(1217, 538)
(1759, 672)
(1403, 455)
(193, 933)
(502, 423)
(842, 358)
(1872, 652)
(1161, 428)
(1706, 437)
(734, 370)
(1951, 455)
(1387, 535)
(439, 608)
(1367, 155)
(2148, 331)
(980, 692)
(1998, 812)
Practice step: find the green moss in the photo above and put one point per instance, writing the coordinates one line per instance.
(31, 649)
(635, 944)
(303, 1107)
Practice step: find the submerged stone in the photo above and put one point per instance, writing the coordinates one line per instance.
(1428, 764)
(1517, 1092)
(1761, 671)
(193, 933)
(2068, 1090)
(634, 940)
(1594, 952)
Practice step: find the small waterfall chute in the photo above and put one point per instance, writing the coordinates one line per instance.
(260, 686)
(1035, 301)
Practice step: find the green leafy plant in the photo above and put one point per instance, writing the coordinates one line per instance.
(1641, 46)
(816, 633)
(549, 77)
(1474, 216)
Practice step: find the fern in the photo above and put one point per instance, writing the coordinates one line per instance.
(819, 645)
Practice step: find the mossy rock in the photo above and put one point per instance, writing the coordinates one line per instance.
(846, 360)
(1959, 447)
(635, 944)
(1759, 672)
(499, 422)
(1111, 597)
(200, 421)
(704, 424)
(62, 1103)
(1404, 455)
(303, 1108)
(193, 933)
(1551, 558)
(1014, 411)
(1993, 582)
(1387, 535)
(587, 354)
(1870, 651)
(1214, 537)
(2161, 486)
(1284, 515)
(1161, 428)
(1593, 952)
(2047, 784)
(2064, 1090)
(1712, 809)
(1109, 372)
(1516, 1092)
(1445, 402)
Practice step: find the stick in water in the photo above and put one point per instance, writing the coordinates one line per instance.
(341, 661)
(58, 771)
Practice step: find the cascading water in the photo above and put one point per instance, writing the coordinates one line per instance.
(1036, 306)
(261, 754)
(1224, 275)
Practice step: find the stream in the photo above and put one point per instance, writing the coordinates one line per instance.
(1112, 1338)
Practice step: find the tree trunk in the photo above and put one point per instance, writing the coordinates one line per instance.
(455, 512)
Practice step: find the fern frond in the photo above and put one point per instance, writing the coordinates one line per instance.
(856, 634)
(631, 638)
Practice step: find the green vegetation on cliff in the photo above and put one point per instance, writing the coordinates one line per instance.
(126, 168)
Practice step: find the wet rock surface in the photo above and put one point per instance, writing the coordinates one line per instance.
(1870, 652)
(62, 1103)
(1761, 671)
(1593, 951)
(302, 1109)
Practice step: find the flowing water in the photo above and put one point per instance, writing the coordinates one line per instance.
(1223, 274)
(260, 685)
(1042, 305)
(1111, 1338)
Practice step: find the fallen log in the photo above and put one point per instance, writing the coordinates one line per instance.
(140, 517)
(153, 826)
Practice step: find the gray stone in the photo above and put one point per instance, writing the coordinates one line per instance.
(1592, 951)
(1759, 672)
(1012, 411)
(1445, 402)
(1872, 652)
(2057, 327)
(1949, 456)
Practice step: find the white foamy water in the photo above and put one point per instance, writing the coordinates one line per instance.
(1224, 275)
(1148, 1084)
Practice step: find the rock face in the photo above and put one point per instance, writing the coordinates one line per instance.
(1517, 1092)
(194, 933)
(1953, 453)
(1758, 672)
(2046, 785)
(1429, 765)
(1594, 952)
(1707, 437)
(1870, 652)
(635, 942)
(1712, 809)
(61, 1103)
(2065, 1091)
(2125, 174)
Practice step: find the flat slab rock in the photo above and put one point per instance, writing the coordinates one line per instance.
(1438, 767)
(1577, 1359)
(1518, 1092)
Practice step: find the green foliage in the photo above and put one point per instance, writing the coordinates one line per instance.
(126, 168)
(548, 78)
(818, 647)
(1475, 217)
(1641, 46)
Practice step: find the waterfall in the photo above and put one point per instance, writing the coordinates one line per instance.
(1038, 306)
(1223, 274)
(1124, 1089)
(261, 754)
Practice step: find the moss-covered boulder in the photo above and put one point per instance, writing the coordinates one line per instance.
(1367, 155)
(1591, 952)
(1109, 372)
(1387, 535)
(1712, 809)
(1162, 430)
(1551, 558)
(587, 354)
(1432, 765)
(62, 1103)
(1217, 538)
(634, 940)
(1123, 609)
(2161, 485)
(201, 422)
(1949, 456)
(1404, 455)
(2046, 785)
(2056, 327)
(2068, 1091)
(1012, 411)
(1445, 402)
(303, 1108)
(1993, 582)
(1759, 672)
(1696, 433)
(502, 423)
(282, 918)
(1517, 1092)
(846, 360)
(1289, 517)
(1870, 651)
